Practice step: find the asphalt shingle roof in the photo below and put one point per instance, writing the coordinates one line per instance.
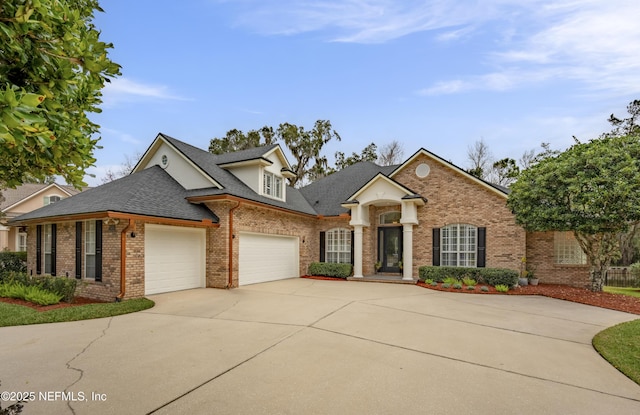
(327, 195)
(150, 192)
(13, 196)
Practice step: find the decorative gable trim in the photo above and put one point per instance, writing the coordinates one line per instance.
(451, 166)
(250, 162)
(155, 146)
(409, 194)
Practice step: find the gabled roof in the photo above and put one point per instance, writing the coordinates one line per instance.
(13, 197)
(500, 190)
(255, 153)
(230, 184)
(327, 195)
(150, 192)
(409, 194)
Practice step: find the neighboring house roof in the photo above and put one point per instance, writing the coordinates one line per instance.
(13, 197)
(150, 192)
(326, 195)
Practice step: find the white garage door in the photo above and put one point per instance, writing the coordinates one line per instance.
(174, 258)
(267, 258)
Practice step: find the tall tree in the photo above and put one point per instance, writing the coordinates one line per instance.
(504, 172)
(367, 154)
(592, 189)
(236, 140)
(306, 147)
(52, 69)
(480, 158)
(391, 153)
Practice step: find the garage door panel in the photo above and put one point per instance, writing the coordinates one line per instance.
(174, 258)
(267, 258)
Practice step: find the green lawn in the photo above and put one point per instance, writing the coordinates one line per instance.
(17, 315)
(620, 345)
(634, 292)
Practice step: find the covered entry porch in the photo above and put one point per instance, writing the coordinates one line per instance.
(393, 246)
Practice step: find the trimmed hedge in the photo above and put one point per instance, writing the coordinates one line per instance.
(61, 286)
(490, 276)
(13, 262)
(330, 269)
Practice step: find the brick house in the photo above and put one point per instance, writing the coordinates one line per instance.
(185, 218)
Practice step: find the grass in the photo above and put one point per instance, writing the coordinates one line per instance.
(620, 346)
(633, 292)
(17, 315)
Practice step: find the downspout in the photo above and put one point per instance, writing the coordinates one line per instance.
(230, 281)
(123, 261)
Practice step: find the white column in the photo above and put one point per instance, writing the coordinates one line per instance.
(357, 251)
(407, 251)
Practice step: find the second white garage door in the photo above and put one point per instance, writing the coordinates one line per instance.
(174, 258)
(267, 258)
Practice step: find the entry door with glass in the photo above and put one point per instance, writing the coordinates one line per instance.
(390, 248)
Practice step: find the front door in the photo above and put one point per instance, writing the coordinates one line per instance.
(390, 248)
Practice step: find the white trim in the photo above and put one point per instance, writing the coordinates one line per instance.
(153, 148)
(31, 196)
(451, 166)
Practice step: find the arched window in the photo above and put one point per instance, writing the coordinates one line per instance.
(338, 246)
(459, 245)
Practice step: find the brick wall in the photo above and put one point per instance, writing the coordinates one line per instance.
(455, 198)
(540, 255)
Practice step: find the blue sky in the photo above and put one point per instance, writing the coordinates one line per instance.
(435, 74)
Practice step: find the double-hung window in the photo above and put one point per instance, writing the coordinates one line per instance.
(459, 245)
(272, 185)
(338, 247)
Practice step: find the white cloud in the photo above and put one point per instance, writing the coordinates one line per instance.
(121, 136)
(596, 43)
(124, 89)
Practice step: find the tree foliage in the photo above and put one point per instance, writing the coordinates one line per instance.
(369, 153)
(236, 140)
(592, 189)
(52, 69)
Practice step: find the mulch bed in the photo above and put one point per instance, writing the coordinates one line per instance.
(617, 302)
(76, 302)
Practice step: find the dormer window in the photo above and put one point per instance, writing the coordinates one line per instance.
(272, 185)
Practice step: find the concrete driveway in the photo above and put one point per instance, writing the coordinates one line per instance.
(323, 347)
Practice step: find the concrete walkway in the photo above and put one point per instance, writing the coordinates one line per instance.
(323, 347)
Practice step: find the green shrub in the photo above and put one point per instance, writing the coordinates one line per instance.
(501, 288)
(450, 280)
(445, 285)
(489, 276)
(12, 262)
(634, 269)
(457, 286)
(468, 281)
(434, 284)
(61, 286)
(428, 281)
(29, 293)
(484, 288)
(329, 269)
(471, 287)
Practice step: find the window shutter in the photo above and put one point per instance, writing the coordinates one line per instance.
(482, 245)
(322, 246)
(53, 249)
(78, 250)
(352, 245)
(436, 247)
(98, 250)
(39, 249)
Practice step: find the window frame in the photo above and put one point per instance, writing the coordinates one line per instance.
(461, 248)
(89, 250)
(272, 185)
(338, 247)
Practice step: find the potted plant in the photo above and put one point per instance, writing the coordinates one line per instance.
(377, 266)
(400, 265)
(531, 276)
(523, 280)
